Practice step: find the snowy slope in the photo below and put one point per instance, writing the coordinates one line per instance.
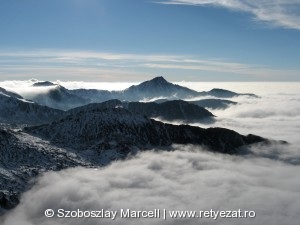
(24, 157)
(9, 93)
(20, 111)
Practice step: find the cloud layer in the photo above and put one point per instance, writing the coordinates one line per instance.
(187, 179)
(105, 66)
(274, 115)
(280, 13)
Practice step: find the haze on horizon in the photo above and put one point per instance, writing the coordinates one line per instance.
(136, 40)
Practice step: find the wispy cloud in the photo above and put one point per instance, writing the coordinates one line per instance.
(280, 13)
(104, 66)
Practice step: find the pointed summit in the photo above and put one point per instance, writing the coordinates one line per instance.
(157, 87)
(159, 80)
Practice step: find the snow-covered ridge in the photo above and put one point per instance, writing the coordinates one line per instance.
(9, 93)
(22, 158)
(21, 111)
(94, 126)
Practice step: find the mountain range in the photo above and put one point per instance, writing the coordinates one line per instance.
(19, 111)
(57, 96)
(95, 137)
(51, 100)
(158, 87)
(99, 127)
(60, 128)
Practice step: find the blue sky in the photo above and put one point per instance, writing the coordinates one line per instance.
(134, 40)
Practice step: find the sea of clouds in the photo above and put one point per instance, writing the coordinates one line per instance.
(264, 179)
(187, 179)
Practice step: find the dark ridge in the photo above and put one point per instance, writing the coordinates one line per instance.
(86, 128)
(43, 84)
(214, 103)
(171, 110)
(205, 103)
(222, 93)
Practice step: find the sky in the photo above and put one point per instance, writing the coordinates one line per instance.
(135, 40)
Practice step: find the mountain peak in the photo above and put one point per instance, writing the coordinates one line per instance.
(43, 84)
(157, 87)
(155, 82)
(159, 79)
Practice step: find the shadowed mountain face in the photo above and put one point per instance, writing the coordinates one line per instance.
(170, 110)
(221, 93)
(214, 103)
(43, 84)
(94, 95)
(16, 110)
(59, 97)
(206, 103)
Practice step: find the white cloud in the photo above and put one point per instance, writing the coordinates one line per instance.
(101, 66)
(223, 67)
(187, 179)
(25, 88)
(280, 13)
